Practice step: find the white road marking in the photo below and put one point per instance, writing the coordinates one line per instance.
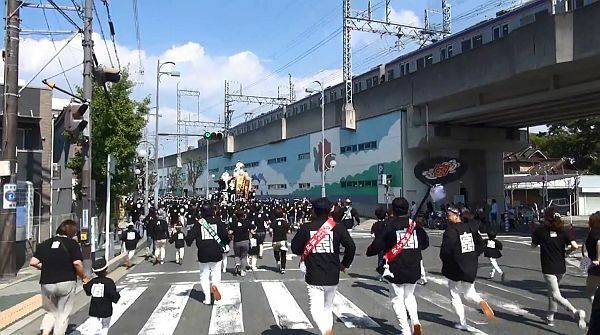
(286, 311)
(166, 315)
(350, 314)
(128, 296)
(520, 294)
(226, 314)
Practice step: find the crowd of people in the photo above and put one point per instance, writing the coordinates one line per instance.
(321, 229)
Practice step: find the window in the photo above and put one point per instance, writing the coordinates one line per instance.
(449, 51)
(504, 30)
(21, 138)
(359, 86)
(496, 33)
(402, 70)
(56, 171)
(331, 97)
(420, 63)
(390, 74)
(477, 41)
(442, 54)
(466, 45)
(429, 60)
(303, 186)
(358, 183)
(305, 155)
(359, 147)
(251, 164)
(277, 160)
(277, 186)
(369, 83)
(375, 81)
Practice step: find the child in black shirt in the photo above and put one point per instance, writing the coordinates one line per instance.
(376, 230)
(104, 293)
(179, 238)
(492, 251)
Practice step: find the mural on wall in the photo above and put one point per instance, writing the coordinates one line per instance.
(293, 167)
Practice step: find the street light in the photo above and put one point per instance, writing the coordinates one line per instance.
(332, 164)
(322, 134)
(158, 74)
(144, 153)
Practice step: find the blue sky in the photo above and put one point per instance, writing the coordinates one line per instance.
(239, 40)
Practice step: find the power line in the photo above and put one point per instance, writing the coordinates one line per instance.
(111, 26)
(102, 34)
(65, 15)
(56, 50)
(138, 38)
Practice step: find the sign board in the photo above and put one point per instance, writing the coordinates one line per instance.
(85, 217)
(380, 168)
(10, 196)
(21, 233)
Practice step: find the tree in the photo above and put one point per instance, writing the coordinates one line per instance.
(117, 124)
(175, 179)
(195, 167)
(577, 140)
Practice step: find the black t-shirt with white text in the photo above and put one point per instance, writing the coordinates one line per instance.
(492, 248)
(57, 255)
(104, 293)
(280, 228)
(552, 249)
(241, 230)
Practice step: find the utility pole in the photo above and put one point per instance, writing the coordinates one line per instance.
(86, 176)
(8, 216)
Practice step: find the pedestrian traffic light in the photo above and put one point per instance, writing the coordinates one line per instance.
(213, 135)
(74, 122)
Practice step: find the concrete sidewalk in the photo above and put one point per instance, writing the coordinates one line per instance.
(20, 298)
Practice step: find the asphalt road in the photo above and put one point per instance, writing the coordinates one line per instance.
(167, 299)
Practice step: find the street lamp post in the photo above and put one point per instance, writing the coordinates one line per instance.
(158, 74)
(326, 168)
(207, 169)
(144, 153)
(323, 194)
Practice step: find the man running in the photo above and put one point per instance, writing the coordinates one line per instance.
(460, 250)
(318, 244)
(211, 238)
(350, 214)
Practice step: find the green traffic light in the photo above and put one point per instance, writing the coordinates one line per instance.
(207, 134)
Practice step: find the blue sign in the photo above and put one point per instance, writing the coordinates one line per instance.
(11, 196)
(379, 168)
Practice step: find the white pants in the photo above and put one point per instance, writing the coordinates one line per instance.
(179, 252)
(224, 262)
(458, 288)
(99, 326)
(57, 301)
(423, 273)
(210, 274)
(320, 299)
(159, 252)
(404, 301)
(554, 295)
(495, 267)
(130, 254)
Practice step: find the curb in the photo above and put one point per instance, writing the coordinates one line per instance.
(27, 311)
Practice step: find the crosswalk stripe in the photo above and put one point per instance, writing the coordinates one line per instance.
(286, 311)
(226, 314)
(166, 315)
(128, 296)
(350, 314)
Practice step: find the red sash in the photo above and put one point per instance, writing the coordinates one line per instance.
(318, 237)
(395, 251)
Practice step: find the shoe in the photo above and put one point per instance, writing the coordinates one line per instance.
(224, 270)
(417, 329)
(243, 273)
(550, 320)
(215, 292)
(491, 276)
(206, 302)
(580, 318)
(503, 276)
(329, 332)
(460, 326)
(282, 271)
(487, 310)
(162, 262)
(238, 269)
(260, 257)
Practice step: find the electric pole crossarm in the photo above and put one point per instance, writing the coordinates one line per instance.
(44, 6)
(388, 28)
(202, 123)
(257, 99)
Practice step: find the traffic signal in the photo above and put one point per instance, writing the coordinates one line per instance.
(104, 75)
(74, 122)
(213, 135)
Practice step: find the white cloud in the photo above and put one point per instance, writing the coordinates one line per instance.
(200, 70)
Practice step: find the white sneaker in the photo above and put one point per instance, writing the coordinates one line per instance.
(550, 320)
(580, 317)
(460, 326)
(243, 273)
